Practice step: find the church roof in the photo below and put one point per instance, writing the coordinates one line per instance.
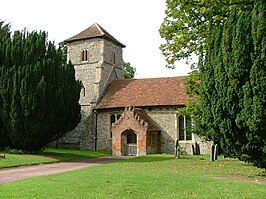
(94, 31)
(166, 91)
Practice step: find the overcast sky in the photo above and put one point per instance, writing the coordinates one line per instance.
(135, 23)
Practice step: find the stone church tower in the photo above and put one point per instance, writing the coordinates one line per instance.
(97, 58)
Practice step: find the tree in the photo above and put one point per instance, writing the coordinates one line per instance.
(38, 91)
(223, 75)
(184, 27)
(231, 103)
(129, 71)
(237, 100)
(5, 43)
(239, 79)
(254, 112)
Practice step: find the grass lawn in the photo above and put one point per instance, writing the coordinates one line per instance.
(49, 155)
(153, 176)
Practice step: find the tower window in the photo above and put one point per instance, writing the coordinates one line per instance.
(113, 59)
(84, 55)
(84, 92)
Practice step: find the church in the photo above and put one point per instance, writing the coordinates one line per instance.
(128, 116)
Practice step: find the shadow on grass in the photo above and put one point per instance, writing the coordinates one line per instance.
(68, 155)
(164, 157)
(149, 158)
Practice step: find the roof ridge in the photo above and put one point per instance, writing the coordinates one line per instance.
(145, 78)
(99, 28)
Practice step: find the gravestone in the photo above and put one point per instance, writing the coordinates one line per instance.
(212, 149)
(177, 150)
(215, 152)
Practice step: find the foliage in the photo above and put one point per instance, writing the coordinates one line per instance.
(4, 46)
(63, 47)
(129, 71)
(255, 91)
(187, 177)
(232, 78)
(38, 91)
(184, 27)
(229, 80)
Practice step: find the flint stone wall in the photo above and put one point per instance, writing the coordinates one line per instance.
(166, 118)
(104, 64)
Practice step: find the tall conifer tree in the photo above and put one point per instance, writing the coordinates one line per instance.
(38, 91)
(255, 91)
(233, 79)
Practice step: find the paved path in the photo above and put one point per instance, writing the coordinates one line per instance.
(19, 173)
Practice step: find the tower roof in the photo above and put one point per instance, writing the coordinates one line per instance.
(94, 31)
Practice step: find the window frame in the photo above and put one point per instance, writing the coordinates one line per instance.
(184, 133)
(112, 121)
(84, 55)
(114, 58)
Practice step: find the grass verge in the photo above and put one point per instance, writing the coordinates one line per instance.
(48, 156)
(153, 176)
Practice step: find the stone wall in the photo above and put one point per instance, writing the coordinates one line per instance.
(94, 47)
(166, 118)
(96, 74)
(72, 139)
(104, 140)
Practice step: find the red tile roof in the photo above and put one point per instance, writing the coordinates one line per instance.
(145, 92)
(94, 31)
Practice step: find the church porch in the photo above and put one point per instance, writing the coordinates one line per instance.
(134, 134)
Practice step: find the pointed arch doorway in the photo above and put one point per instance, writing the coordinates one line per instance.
(135, 133)
(129, 143)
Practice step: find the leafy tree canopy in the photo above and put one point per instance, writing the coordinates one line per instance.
(129, 71)
(185, 25)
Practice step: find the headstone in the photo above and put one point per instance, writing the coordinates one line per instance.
(215, 152)
(197, 149)
(177, 149)
(212, 152)
(194, 150)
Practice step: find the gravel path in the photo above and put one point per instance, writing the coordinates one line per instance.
(19, 173)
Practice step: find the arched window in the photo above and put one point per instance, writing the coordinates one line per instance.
(84, 91)
(84, 55)
(113, 58)
(185, 127)
(113, 119)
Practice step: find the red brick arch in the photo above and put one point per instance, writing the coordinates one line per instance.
(130, 121)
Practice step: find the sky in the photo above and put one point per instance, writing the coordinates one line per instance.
(135, 23)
